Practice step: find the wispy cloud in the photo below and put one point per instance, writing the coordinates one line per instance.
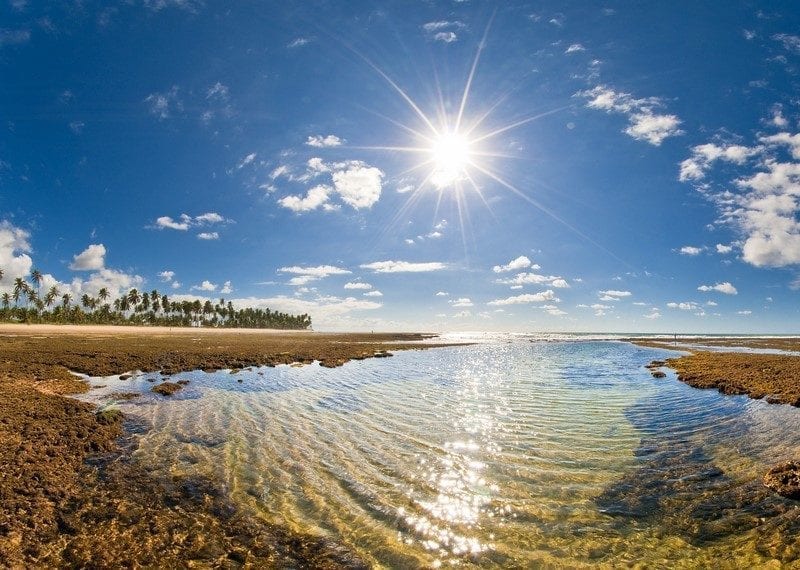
(443, 30)
(541, 297)
(403, 266)
(644, 123)
(164, 105)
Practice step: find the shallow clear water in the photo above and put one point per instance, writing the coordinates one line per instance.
(503, 454)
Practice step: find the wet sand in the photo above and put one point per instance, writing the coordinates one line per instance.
(70, 494)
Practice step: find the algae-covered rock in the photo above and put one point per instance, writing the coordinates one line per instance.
(784, 479)
(109, 416)
(167, 388)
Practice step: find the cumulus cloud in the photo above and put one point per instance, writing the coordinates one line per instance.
(375, 293)
(724, 287)
(653, 314)
(166, 276)
(574, 48)
(704, 155)
(520, 262)
(90, 259)
(723, 249)
(14, 249)
(115, 282)
(206, 285)
(691, 250)
(227, 288)
(208, 235)
(644, 123)
(184, 222)
(541, 297)
(318, 141)
(356, 183)
(462, 302)
(443, 30)
(762, 204)
(403, 266)
(357, 285)
(315, 198)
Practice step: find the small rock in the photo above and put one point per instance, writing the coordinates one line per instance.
(125, 376)
(658, 374)
(183, 382)
(784, 479)
(167, 388)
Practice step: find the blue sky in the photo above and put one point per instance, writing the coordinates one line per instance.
(612, 167)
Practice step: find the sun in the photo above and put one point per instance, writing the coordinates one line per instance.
(450, 154)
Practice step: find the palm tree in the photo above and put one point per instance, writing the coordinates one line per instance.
(1, 274)
(66, 299)
(103, 294)
(51, 295)
(19, 287)
(36, 277)
(6, 300)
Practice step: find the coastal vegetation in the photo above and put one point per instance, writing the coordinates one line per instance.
(27, 302)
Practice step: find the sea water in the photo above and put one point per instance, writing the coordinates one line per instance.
(515, 452)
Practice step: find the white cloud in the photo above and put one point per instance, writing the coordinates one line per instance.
(166, 276)
(176, 285)
(534, 279)
(115, 282)
(520, 262)
(186, 222)
(684, 306)
(442, 294)
(403, 266)
(746, 312)
(357, 285)
(227, 288)
(725, 288)
(691, 250)
(375, 293)
(246, 160)
(14, 248)
(575, 48)
(217, 91)
(654, 314)
(442, 30)
(704, 155)
(711, 303)
(526, 298)
(723, 249)
(298, 42)
(163, 105)
(206, 285)
(358, 185)
(14, 37)
(613, 295)
(208, 235)
(315, 198)
(306, 275)
(90, 259)
(644, 123)
(166, 222)
(318, 141)
(462, 302)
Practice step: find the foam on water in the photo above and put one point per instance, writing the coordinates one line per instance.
(508, 453)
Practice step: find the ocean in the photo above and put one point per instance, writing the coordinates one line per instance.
(515, 452)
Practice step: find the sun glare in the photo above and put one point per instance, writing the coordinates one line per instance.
(451, 156)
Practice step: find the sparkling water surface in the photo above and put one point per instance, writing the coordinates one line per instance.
(510, 453)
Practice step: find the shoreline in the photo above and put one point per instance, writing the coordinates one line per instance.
(71, 495)
(66, 470)
(772, 376)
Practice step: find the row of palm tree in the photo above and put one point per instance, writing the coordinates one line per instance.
(25, 303)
